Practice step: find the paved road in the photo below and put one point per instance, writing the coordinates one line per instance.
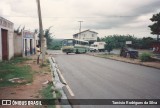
(97, 78)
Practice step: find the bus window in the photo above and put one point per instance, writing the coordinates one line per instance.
(74, 42)
(65, 43)
(70, 43)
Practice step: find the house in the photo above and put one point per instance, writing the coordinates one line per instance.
(18, 47)
(86, 35)
(25, 43)
(6, 39)
(28, 42)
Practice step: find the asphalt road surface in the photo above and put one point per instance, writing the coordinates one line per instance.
(91, 77)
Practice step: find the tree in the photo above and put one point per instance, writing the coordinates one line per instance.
(19, 30)
(147, 42)
(109, 43)
(98, 39)
(155, 27)
(48, 37)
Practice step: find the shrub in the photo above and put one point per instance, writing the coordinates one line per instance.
(144, 57)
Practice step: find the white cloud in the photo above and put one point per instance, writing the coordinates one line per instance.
(104, 16)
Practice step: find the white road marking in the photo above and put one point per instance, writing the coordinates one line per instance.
(69, 89)
(61, 76)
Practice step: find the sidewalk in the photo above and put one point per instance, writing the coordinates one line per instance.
(155, 64)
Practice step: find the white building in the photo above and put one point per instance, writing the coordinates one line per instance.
(18, 47)
(86, 35)
(6, 39)
(28, 42)
(25, 43)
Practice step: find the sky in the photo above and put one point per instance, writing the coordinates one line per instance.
(106, 17)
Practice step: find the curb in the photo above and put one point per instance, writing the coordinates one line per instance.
(65, 88)
(126, 61)
(59, 84)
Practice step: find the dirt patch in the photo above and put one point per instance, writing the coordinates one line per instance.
(30, 90)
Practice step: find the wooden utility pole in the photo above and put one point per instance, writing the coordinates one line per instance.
(80, 30)
(41, 31)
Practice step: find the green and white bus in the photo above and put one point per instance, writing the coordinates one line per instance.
(75, 46)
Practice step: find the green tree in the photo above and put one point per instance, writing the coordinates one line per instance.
(155, 27)
(48, 37)
(146, 42)
(98, 39)
(109, 43)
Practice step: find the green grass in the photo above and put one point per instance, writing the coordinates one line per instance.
(105, 55)
(47, 94)
(18, 60)
(145, 57)
(9, 70)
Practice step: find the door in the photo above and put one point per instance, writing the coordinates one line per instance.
(4, 44)
(25, 48)
(31, 46)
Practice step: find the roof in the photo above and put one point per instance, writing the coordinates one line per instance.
(85, 31)
(5, 19)
(76, 40)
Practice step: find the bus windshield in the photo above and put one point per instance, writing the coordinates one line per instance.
(68, 43)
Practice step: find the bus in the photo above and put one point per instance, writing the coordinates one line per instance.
(75, 46)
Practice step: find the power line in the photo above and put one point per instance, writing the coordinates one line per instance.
(74, 17)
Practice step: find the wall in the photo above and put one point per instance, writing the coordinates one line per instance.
(88, 36)
(27, 35)
(17, 45)
(0, 44)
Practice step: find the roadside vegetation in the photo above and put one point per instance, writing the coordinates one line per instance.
(11, 74)
(47, 93)
(145, 57)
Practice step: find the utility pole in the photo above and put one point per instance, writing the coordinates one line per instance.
(80, 30)
(41, 31)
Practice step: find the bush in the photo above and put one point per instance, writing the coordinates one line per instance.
(144, 57)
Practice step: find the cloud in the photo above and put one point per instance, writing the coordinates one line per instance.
(124, 15)
(103, 16)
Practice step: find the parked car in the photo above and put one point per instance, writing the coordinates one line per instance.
(132, 53)
(129, 52)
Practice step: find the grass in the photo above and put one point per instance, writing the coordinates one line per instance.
(18, 60)
(45, 64)
(105, 55)
(145, 57)
(47, 94)
(9, 70)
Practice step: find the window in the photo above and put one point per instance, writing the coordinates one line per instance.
(65, 42)
(70, 42)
